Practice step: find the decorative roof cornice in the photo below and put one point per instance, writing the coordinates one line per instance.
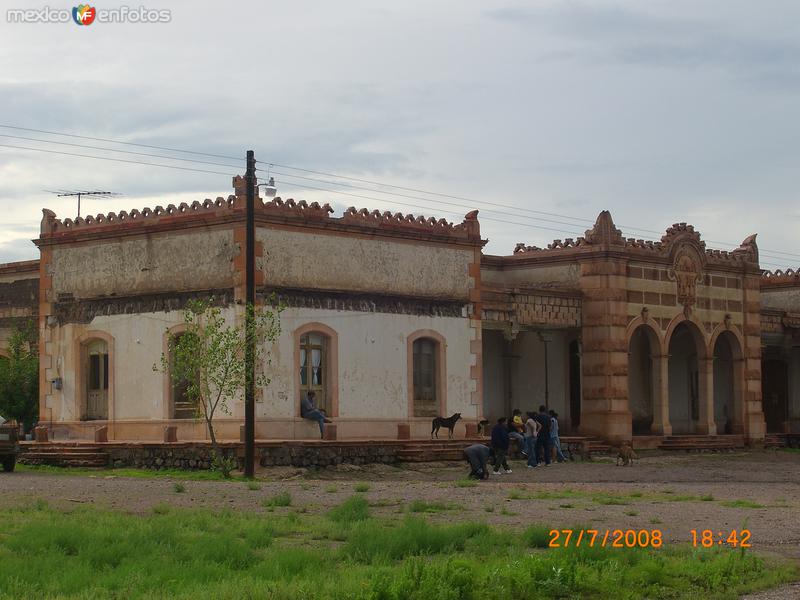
(780, 278)
(605, 236)
(23, 266)
(277, 210)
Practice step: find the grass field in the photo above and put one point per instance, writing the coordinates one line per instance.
(344, 553)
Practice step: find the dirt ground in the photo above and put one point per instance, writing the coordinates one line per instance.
(667, 494)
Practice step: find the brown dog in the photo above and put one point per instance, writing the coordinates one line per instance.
(626, 454)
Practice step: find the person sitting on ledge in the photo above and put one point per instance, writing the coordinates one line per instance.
(309, 411)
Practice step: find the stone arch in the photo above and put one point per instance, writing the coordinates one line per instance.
(102, 407)
(728, 373)
(644, 354)
(440, 353)
(330, 366)
(688, 377)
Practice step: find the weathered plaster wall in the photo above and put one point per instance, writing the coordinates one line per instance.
(173, 261)
(136, 392)
(563, 275)
(19, 301)
(372, 374)
(373, 365)
(299, 259)
(787, 299)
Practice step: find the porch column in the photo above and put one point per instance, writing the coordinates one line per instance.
(661, 424)
(706, 423)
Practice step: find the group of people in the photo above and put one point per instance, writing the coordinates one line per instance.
(536, 437)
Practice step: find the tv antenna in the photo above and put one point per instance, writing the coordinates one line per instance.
(79, 193)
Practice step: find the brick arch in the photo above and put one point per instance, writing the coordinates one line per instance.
(333, 363)
(733, 330)
(682, 416)
(654, 331)
(659, 423)
(695, 326)
(80, 380)
(441, 368)
(734, 405)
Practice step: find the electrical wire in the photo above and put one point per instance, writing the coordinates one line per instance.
(765, 252)
(99, 139)
(189, 160)
(121, 160)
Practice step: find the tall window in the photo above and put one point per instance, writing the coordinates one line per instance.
(97, 380)
(314, 367)
(182, 407)
(425, 378)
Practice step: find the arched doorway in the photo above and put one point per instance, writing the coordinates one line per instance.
(96, 376)
(727, 388)
(686, 394)
(775, 393)
(641, 379)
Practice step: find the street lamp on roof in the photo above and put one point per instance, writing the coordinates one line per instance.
(269, 188)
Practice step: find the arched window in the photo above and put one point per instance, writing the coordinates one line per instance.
(96, 370)
(426, 374)
(425, 400)
(182, 407)
(314, 365)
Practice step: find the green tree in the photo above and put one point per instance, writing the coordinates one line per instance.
(19, 377)
(207, 359)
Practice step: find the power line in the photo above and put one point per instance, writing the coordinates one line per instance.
(473, 202)
(189, 160)
(98, 139)
(467, 206)
(121, 160)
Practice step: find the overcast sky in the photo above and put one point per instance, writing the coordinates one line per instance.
(658, 111)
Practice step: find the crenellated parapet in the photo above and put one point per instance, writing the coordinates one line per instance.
(277, 210)
(294, 210)
(780, 278)
(51, 225)
(606, 237)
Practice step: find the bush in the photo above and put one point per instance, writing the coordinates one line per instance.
(354, 509)
(537, 536)
(375, 542)
(281, 499)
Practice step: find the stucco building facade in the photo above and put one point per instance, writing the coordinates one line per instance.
(393, 319)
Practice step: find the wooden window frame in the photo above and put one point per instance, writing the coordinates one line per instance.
(331, 364)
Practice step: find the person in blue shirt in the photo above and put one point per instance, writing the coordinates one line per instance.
(500, 442)
(309, 411)
(543, 440)
(554, 439)
(477, 455)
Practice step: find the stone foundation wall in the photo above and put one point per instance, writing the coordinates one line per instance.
(194, 456)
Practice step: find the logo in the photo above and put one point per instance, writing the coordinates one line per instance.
(83, 14)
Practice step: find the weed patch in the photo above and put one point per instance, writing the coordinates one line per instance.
(280, 499)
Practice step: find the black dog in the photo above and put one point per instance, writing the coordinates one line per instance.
(449, 422)
(483, 426)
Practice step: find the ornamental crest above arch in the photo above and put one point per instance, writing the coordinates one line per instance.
(686, 272)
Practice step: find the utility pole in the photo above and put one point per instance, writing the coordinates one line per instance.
(250, 306)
